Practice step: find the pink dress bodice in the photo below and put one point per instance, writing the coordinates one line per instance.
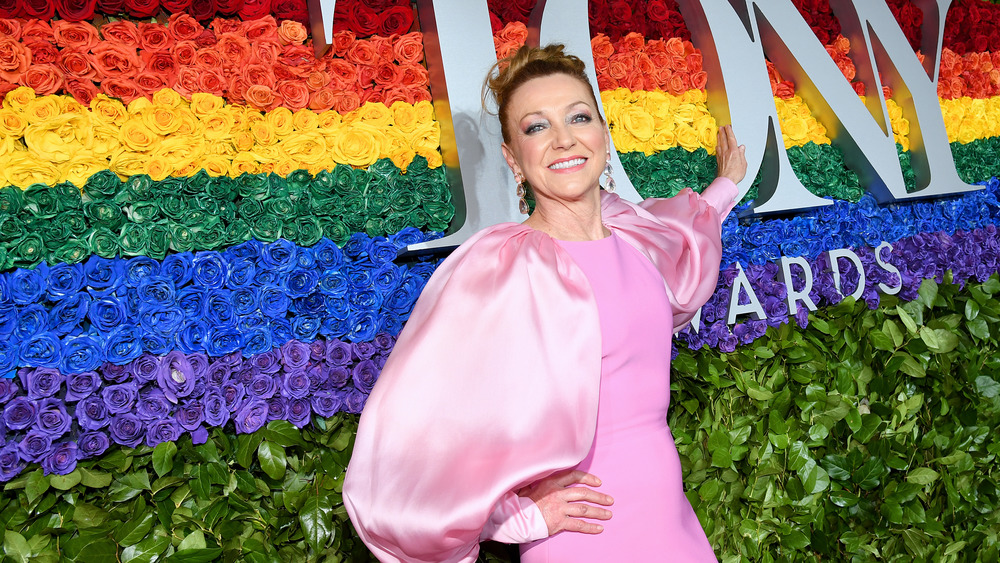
(633, 451)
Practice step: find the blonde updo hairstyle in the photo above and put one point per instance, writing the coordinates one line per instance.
(509, 74)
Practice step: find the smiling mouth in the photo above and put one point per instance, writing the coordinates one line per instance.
(567, 164)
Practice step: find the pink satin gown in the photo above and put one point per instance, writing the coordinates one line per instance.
(633, 451)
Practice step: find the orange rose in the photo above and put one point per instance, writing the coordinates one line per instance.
(265, 52)
(259, 75)
(14, 59)
(675, 47)
(413, 75)
(227, 25)
(323, 99)
(346, 101)
(10, 28)
(694, 62)
(183, 27)
(366, 76)
(383, 48)
(43, 79)
(656, 48)
(342, 73)
(620, 66)
(317, 80)
(601, 46)
(398, 94)
(123, 33)
(362, 53)
(342, 41)
(291, 32)
(260, 96)
(233, 48)
(115, 61)
(261, 29)
(154, 36)
(122, 88)
(78, 65)
(37, 30)
(633, 42)
(605, 82)
(80, 35)
(409, 48)
(161, 64)
(237, 88)
(676, 84)
(386, 73)
(842, 45)
(208, 58)
(187, 81)
(295, 93)
(699, 80)
(42, 51)
(184, 52)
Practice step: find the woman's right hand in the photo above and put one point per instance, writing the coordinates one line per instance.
(564, 506)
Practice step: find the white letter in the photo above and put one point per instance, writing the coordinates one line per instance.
(835, 266)
(794, 296)
(885, 265)
(754, 307)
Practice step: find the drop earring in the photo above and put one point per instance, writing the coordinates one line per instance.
(609, 184)
(522, 204)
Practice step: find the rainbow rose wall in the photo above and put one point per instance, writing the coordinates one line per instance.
(201, 227)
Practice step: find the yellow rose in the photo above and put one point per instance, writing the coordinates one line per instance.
(305, 119)
(266, 153)
(794, 131)
(245, 163)
(285, 166)
(404, 116)
(12, 123)
(162, 120)
(307, 147)
(215, 165)
(203, 104)
(137, 105)
(663, 140)
(168, 97)
(242, 116)
(158, 168)
(434, 158)
(190, 125)
(427, 137)
(105, 140)
(686, 113)
(358, 144)
(325, 164)
(281, 121)
(9, 146)
(263, 133)
(708, 132)
(218, 125)
(57, 140)
(243, 141)
(18, 98)
(126, 163)
(402, 157)
(425, 111)
(687, 137)
(22, 169)
(895, 111)
(637, 123)
(968, 131)
(694, 97)
(108, 110)
(330, 119)
(188, 168)
(136, 136)
(81, 167)
(612, 114)
(40, 110)
(624, 142)
(179, 151)
(375, 114)
(223, 148)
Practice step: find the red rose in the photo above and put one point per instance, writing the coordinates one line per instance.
(396, 21)
(212, 83)
(78, 65)
(11, 9)
(142, 8)
(76, 10)
(184, 52)
(124, 89)
(150, 81)
(82, 90)
(253, 9)
(183, 27)
(175, 6)
(42, 52)
(40, 9)
(206, 39)
(294, 93)
(363, 20)
(121, 32)
(657, 11)
(202, 10)
(111, 7)
(291, 10)
(229, 7)
(80, 35)
(153, 36)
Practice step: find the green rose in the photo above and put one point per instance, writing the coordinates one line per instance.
(227, 211)
(11, 228)
(144, 212)
(335, 230)
(58, 231)
(197, 184)
(322, 184)
(309, 231)
(103, 242)
(252, 185)
(195, 217)
(403, 201)
(326, 206)
(6, 260)
(105, 184)
(279, 188)
(302, 203)
(238, 231)
(41, 201)
(29, 251)
(181, 237)
(134, 239)
(211, 236)
(441, 213)
(207, 204)
(298, 180)
(418, 218)
(173, 207)
(374, 227)
(281, 207)
(159, 237)
(222, 188)
(376, 202)
(72, 251)
(104, 213)
(67, 196)
(75, 222)
(139, 188)
(266, 227)
(11, 200)
(346, 179)
(395, 222)
(250, 208)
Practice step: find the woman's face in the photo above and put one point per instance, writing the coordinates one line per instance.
(558, 142)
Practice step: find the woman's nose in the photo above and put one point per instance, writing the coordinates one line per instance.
(564, 137)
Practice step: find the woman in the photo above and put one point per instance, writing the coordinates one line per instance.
(526, 398)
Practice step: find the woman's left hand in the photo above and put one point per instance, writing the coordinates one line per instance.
(730, 155)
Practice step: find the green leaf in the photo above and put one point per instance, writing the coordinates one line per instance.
(869, 475)
(795, 540)
(890, 328)
(910, 366)
(194, 540)
(922, 476)
(246, 445)
(92, 549)
(163, 458)
(36, 486)
(283, 433)
(88, 516)
(979, 328)
(908, 322)
(65, 482)
(16, 547)
(196, 555)
(145, 551)
(798, 456)
(987, 386)
(928, 292)
(135, 529)
(938, 340)
(814, 478)
(971, 310)
(837, 466)
(881, 340)
(844, 499)
(94, 479)
(316, 518)
(272, 459)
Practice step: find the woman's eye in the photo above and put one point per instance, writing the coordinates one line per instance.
(534, 128)
(581, 118)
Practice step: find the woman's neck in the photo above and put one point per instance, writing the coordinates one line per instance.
(571, 222)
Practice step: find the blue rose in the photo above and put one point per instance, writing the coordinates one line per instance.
(357, 246)
(81, 354)
(304, 259)
(28, 286)
(127, 430)
(365, 299)
(281, 330)
(156, 290)
(220, 341)
(191, 337)
(157, 343)
(8, 319)
(257, 341)
(249, 322)
(359, 277)
(10, 462)
(219, 309)
(129, 298)
(334, 283)
(65, 280)
(19, 413)
(335, 328)
(31, 320)
(210, 269)
(311, 304)
(273, 301)
(327, 254)
(106, 314)
(301, 282)
(363, 326)
(242, 273)
(406, 237)
(179, 268)
(35, 446)
(249, 250)
(9, 354)
(139, 268)
(41, 350)
(382, 251)
(245, 300)
(390, 323)
(251, 417)
(192, 300)
(5, 296)
(306, 327)
(92, 444)
(278, 256)
(68, 315)
(103, 274)
(386, 278)
(123, 345)
(299, 412)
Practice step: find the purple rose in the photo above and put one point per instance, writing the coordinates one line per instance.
(216, 412)
(8, 388)
(92, 444)
(19, 413)
(41, 382)
(11, 463)
(233, 394)
(52, 418)
(144, 367)
(127, 430)
(199, 435)
(120, 398)
(191, 414)
(317, 350)
(262, 386)
(338, 353)
(92, 413)
(277, 408)
(175, 376)
(81, 385)
(295, 384)
(354, 402)
(327, 403)
(339, 376)
(364, 376)
(159, 431)
(115, 373)
(62, 460)
(35, 446)
(218, 371)
(295, 354)
(268, 362)
(251, 416)
(299, 412)
(153, 405)
(384, 342)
